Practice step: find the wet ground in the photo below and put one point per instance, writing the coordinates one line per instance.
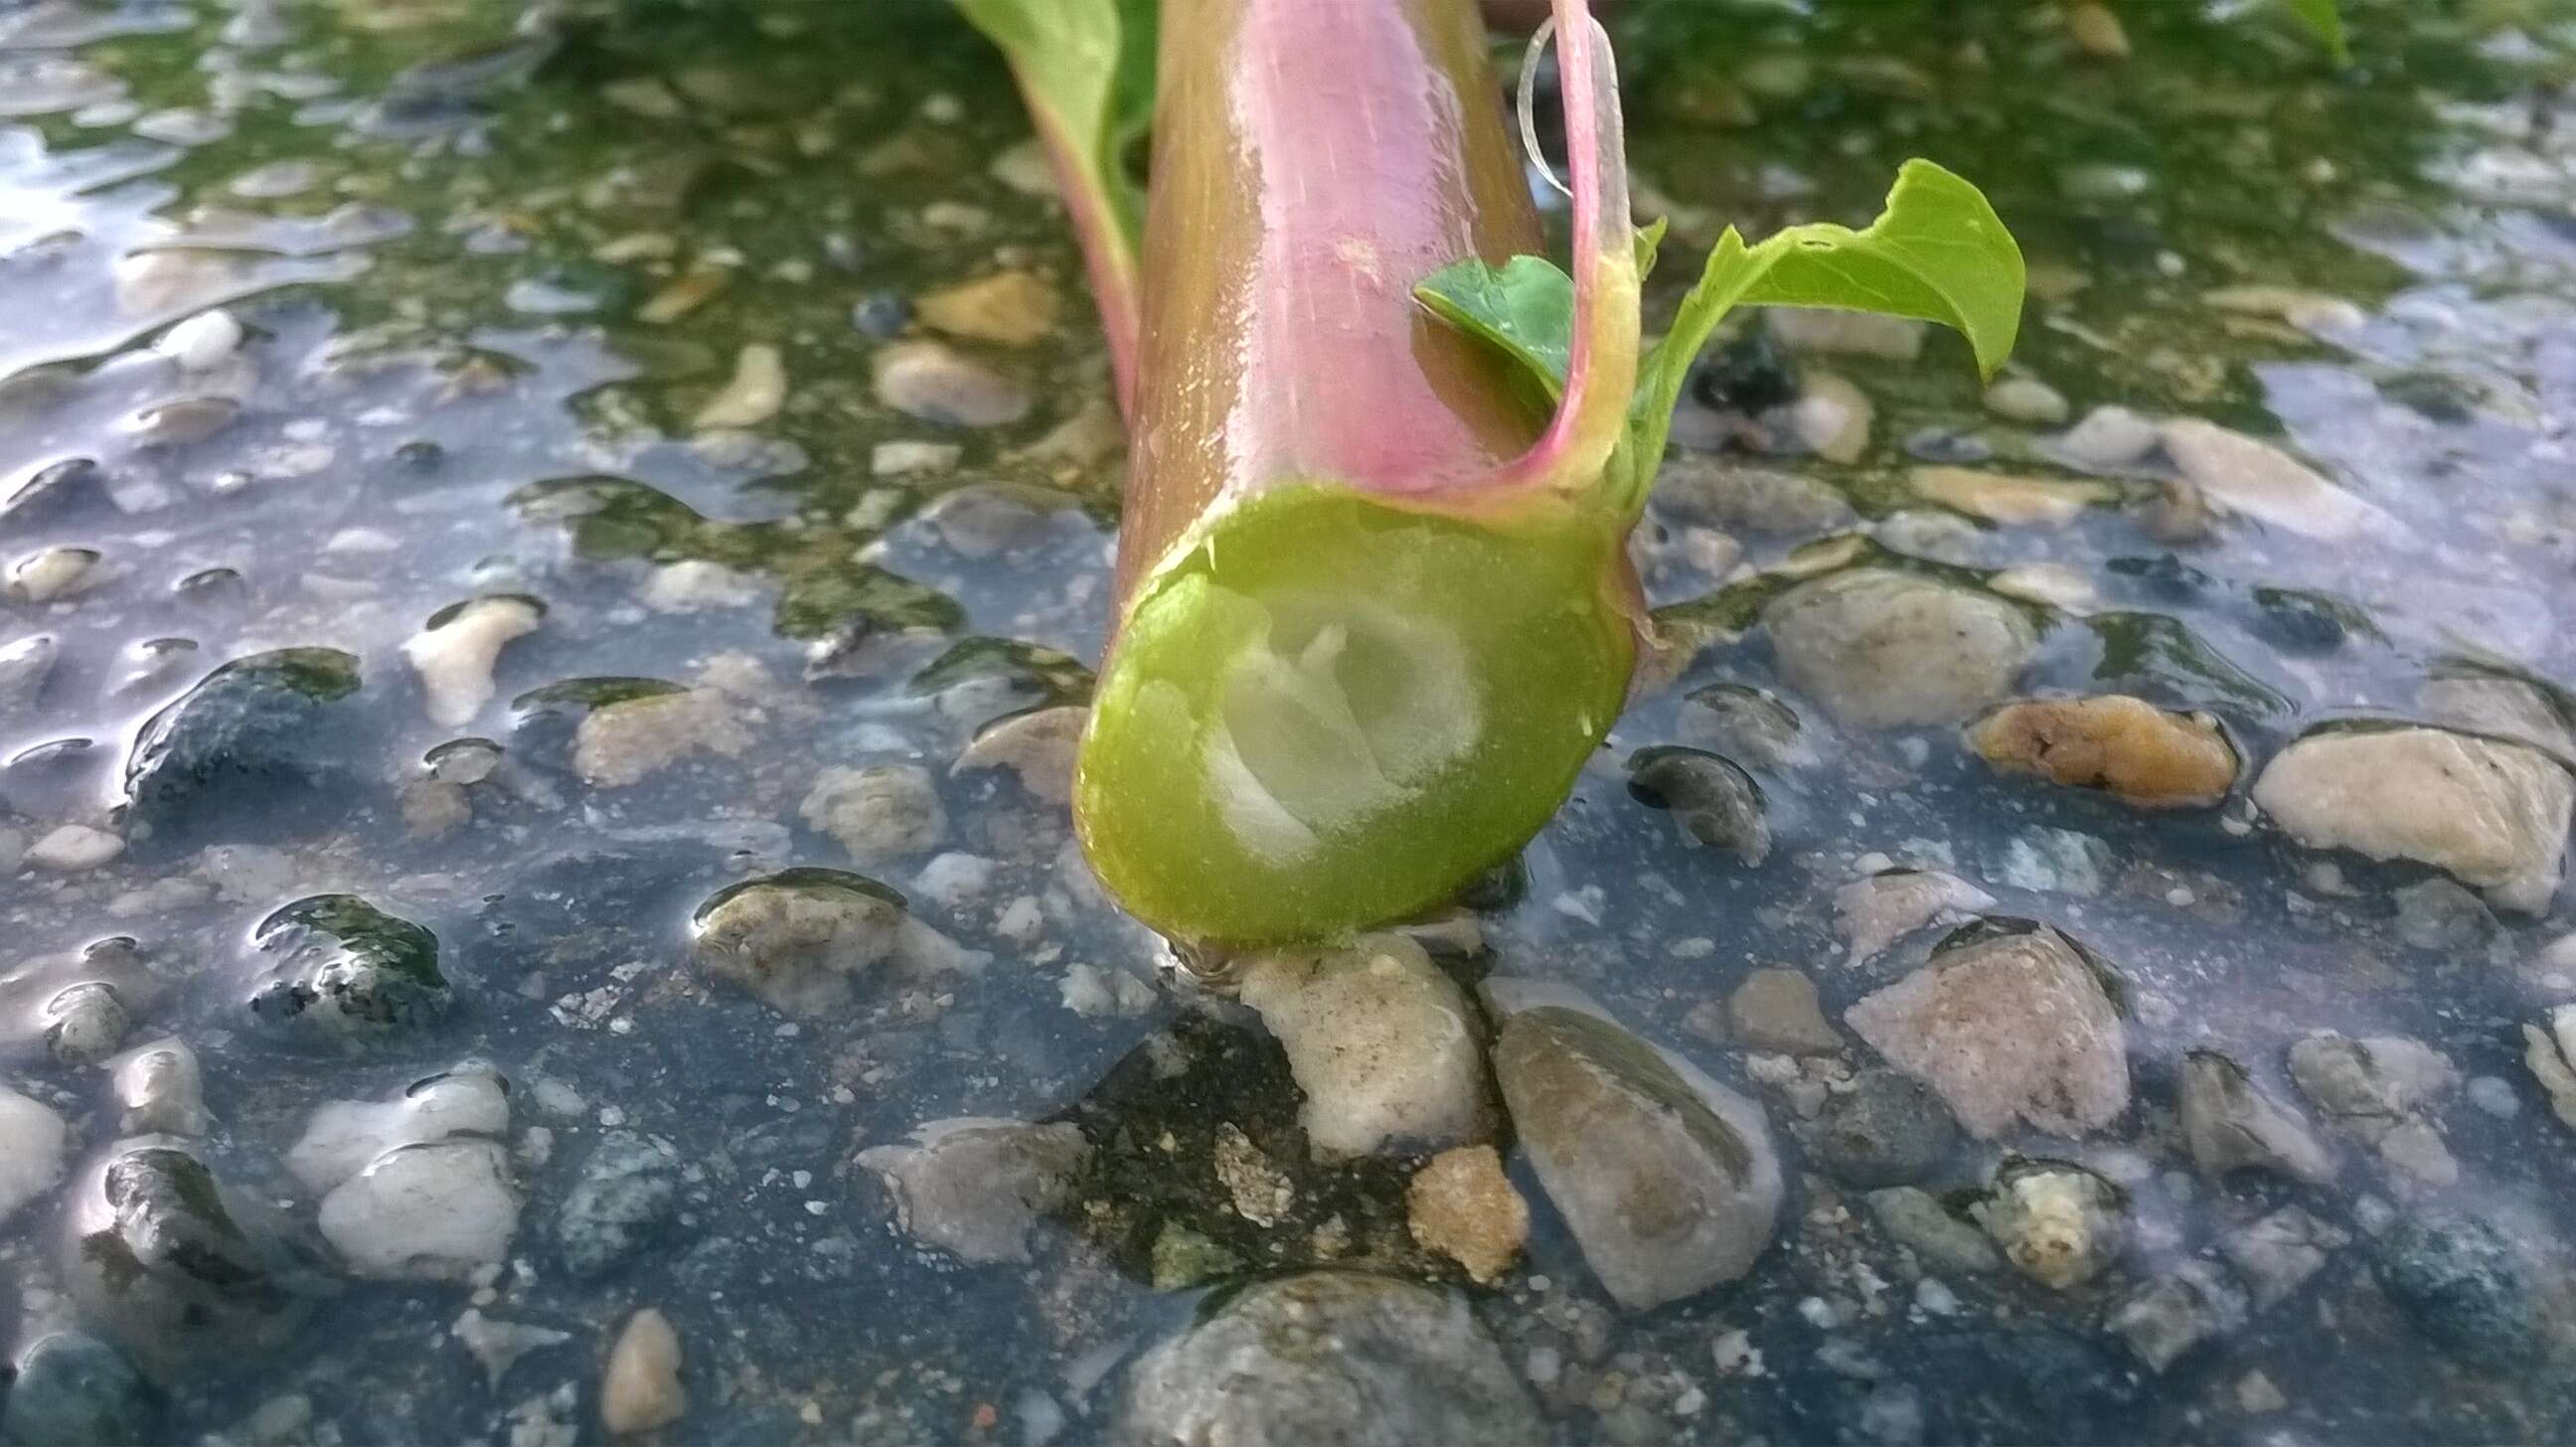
(545, 574)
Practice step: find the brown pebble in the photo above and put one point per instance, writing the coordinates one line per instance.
(641, 1389)
(2140, 753)
(1463, 1207)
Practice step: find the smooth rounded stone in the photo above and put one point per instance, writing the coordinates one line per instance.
(2377, 1089)
(1858, 334)
(2009, 1030)
(2197, 1302)
(1712, 800)
(73, 1390)
(2510, 708)
(51, 575)
(799, 940)
(1712, 491)
(1885, 649)
(2001, 497)
(1329, 1357)
(697, 585)
(1008, 309)
(84, 1023)
(2260, 481)
(995, 519)
(178, 1266)
(1462, 1206)
(904, 459)
(2058, 1224)
(1935, 534)
(2457, 1280)
(1887, 1129)
(74, 849)
(2230, 1125)
(437, 1211)
(640, 1389)
(1746, 723)
(32, 1140)
(2108, 439)
(2490, 814)
(2139, 753)
(343, 1136)
(250, 730)
(879, 814)
(1876, 912)
(627, 1193)
(624, 743)
(935, 383)
(161, 1090)
(1037, 747)
(1775, 1011)
(454, 655)
(976, 1187)
(2549, 1052)
(1667, 1179)
(2027, 399)
(25, 666)
(1833, 418)
(1916, 1219)
(1383, 1044)
(347, 970)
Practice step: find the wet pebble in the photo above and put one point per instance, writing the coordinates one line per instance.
(2260, 481)
(2014, 1029)
(74, 849)
(802, 940)
(2197, 1302)
(2139, 753)
(1775, 1011)
(1610, 1121)
(1332, 1356)
(2492, 814)
(977, 1187)
(2027, 399)
(183, 423)
(1884, 649)
(2378, 1089)
(1037, 747)
(179, 1266)
(1833, 418)
(2229, 1124)
(74, 1390)
(203, 342)
(624, 743)
(2549, 1052)
(454, 655)
(2457, 1280)
(1886, 1129)
(753, 395)
(1914, 1218)
(32, 1141)
(935, 383)
(879, 814)
(1462, 1206)
(266, 727)
(1712, 801)
(342, 969)
(498, 1345)
(437, 1211)
(25, 665)
(2109, 438)
(85, 1023)
(1009, 309)
(640, 1390)
(2058, 1224)
(52, 575)
(1719, 492)
(161, 1090)
(1876, 912)
(344, 1136)
(1859, 334)
(1383, 1045)
(627, 1193)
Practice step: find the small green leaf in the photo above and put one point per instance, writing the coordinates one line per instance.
(1525, 308)
(2326, 19)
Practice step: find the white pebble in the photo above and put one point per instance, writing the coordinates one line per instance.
(203, 342)
(75, 849)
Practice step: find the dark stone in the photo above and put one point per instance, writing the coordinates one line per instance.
(74, 1390)
(261, 738)
(1889, 1129)
(2457, 1281)
(53, 493)
(1750, 375)
(1714, 801)
(1948, 446)
(628, 1191)
(348, 970)
(881, 314)
(180, 1268)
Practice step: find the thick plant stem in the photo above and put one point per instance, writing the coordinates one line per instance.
(1372, 619)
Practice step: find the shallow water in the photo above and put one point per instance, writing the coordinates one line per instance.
(494, 276)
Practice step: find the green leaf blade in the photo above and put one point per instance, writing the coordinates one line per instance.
(1523, 308)
(2325, 17)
